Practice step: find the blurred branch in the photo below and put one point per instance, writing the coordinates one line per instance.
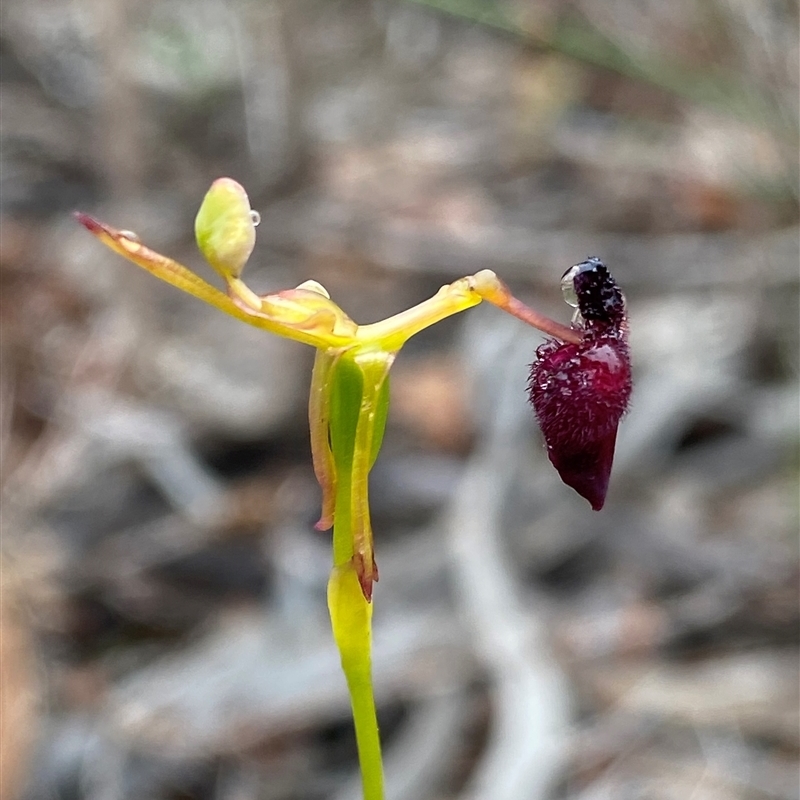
(576, 37)
(120, 114)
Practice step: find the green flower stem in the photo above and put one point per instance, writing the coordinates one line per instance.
(356, 409)
(351, 619)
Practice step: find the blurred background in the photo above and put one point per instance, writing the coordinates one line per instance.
(164, 629)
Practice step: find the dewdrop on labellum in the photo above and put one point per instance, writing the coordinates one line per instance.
(580, 391)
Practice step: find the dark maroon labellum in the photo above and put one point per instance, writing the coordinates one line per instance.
(580, 391)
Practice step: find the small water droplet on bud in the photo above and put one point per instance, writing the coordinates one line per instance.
(130, 236)
(255, 218)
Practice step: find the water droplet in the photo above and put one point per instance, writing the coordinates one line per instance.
(130, 236)
(568, 286)
(255, 218)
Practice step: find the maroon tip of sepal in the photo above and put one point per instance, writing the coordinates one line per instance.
(366, 577)
(90, 223)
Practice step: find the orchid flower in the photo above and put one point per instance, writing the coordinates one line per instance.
(349, 399)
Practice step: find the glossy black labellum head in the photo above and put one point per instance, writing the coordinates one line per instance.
(596, 294)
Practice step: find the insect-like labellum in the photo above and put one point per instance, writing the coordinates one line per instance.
(580, 391)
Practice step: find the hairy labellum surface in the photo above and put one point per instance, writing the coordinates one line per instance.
(580, 391)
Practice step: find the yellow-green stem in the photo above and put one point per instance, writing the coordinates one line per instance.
(351, 620)
(362, 701)
(355, 403)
